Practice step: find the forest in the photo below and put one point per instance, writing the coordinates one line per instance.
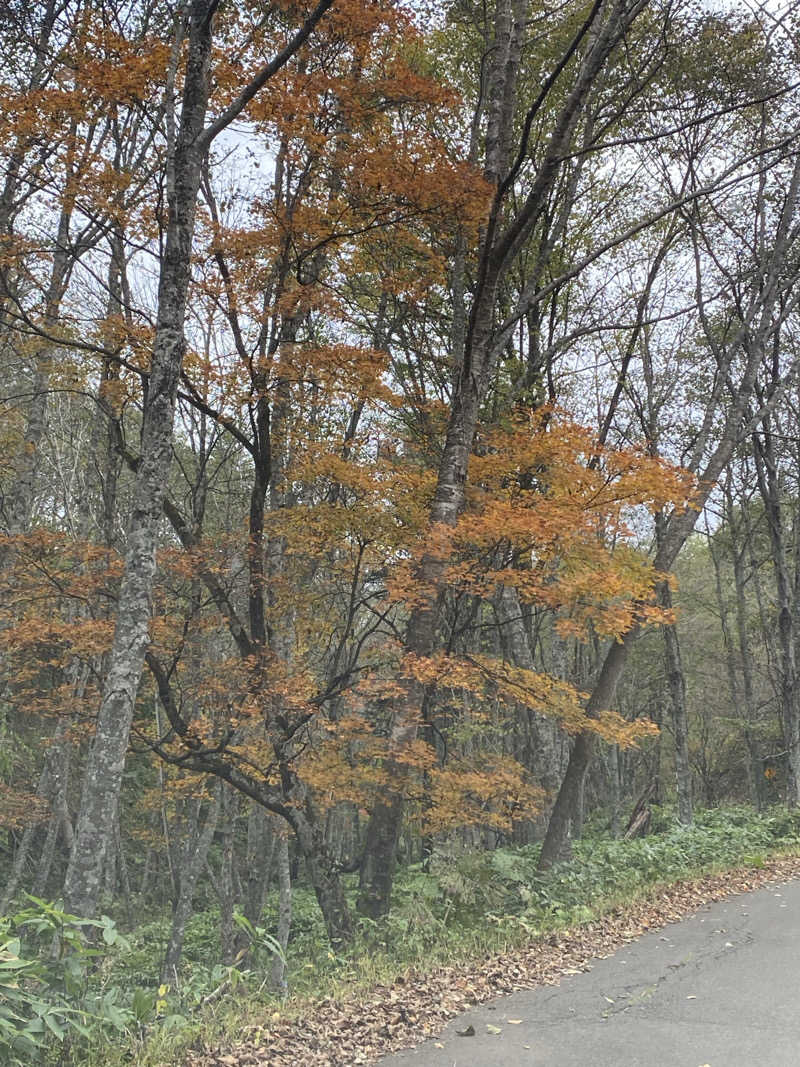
(400, 447)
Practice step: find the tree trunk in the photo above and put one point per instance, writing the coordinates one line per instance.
(224, 882)
(261, 840)
(517, 644)
(323, 873)
(52, 786)
(557, 842)
(195, 857)
(277, 974)
(124, 874)
(616, 790)
(676, 682)
(789, 687)
(742, 696)
(501, 242)
(46, 856)
(380, 856)
(103, 775)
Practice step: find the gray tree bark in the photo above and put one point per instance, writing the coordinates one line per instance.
(545, 761)
(52, 787)
(261, 842)
(737, 650)
(224, 882)
(197, 842)
(277, 974)
(103, 775)
(771, 491)
(676, 682)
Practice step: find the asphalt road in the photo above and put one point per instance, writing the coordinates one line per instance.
(721, 989)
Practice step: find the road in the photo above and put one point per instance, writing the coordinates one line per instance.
(721, 989)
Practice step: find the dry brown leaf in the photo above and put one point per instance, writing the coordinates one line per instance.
(358, 1031)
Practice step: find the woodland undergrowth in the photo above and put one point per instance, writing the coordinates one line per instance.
(466, 907)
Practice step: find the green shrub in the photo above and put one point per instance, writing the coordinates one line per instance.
(463, 888)
(46, 996)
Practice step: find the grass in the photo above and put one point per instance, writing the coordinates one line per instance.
(467, 906)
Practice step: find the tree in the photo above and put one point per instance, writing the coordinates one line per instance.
(760, 302)
(185, 159)
(508, 162)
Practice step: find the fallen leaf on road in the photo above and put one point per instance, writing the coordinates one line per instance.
(514, 1022)
(357, 1030)
(469, 1032)
(493, 1029)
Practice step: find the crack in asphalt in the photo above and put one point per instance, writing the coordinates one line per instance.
(704, 993)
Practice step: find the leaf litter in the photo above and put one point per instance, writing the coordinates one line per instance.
(355, 1031)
